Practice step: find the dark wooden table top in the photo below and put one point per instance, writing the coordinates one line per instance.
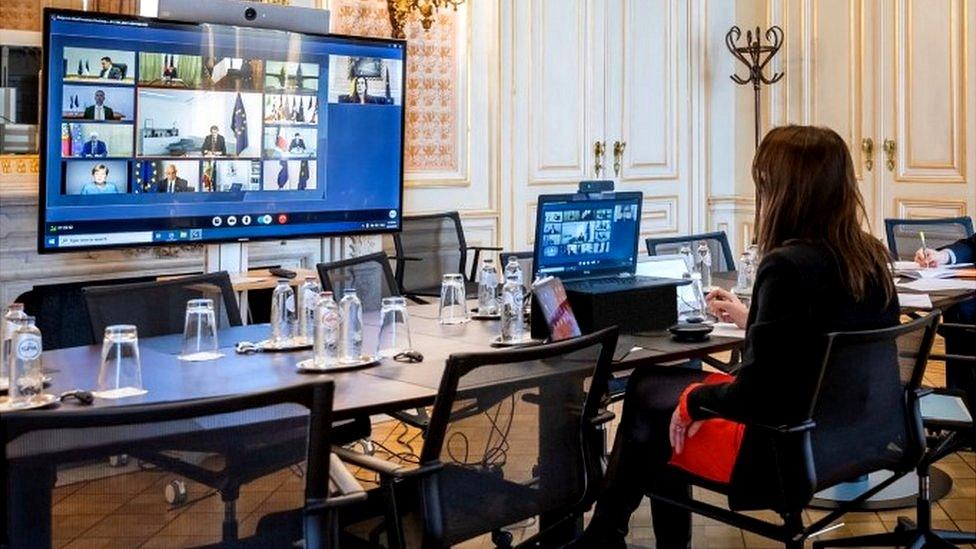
(387, 387)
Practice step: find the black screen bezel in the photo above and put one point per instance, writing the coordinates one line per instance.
(50, 13)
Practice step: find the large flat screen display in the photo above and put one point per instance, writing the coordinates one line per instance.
(160, 132)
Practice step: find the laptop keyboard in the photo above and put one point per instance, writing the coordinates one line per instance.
(610, 282)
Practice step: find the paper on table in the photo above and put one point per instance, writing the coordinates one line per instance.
(121, 392)
(936, 284)
(918, 301)
(728, 329)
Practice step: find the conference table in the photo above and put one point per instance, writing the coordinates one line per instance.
(384, 388)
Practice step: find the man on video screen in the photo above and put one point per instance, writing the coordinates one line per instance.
(109, 70)
(213, 144)
(94, 147)
(99, 111)
(171, 183)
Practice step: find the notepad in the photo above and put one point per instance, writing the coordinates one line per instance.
(918, 301)
(728, 329)
(939, 284)
(910, 269)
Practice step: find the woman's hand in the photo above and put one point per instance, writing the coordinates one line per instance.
(727, 307)
(931, 258)
(680, 431)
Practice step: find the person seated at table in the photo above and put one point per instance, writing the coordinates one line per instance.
(110, 71)
(821, 272)
(94, 146)
(213, 144)
(99, 111)
(297, 145)
(960, 376)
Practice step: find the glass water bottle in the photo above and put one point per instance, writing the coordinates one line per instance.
(351, 330)
(282, 319)
(328, 323)
(26, 378)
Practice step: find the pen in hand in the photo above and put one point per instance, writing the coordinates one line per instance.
(921, 236)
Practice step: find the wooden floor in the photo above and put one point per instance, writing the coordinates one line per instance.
(128, 509)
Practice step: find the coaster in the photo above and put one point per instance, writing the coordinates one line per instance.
(35, 402)
(309, 367)
(524, 342)
(121, 392)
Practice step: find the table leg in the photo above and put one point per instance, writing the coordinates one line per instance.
(29, 504)
(245, 308)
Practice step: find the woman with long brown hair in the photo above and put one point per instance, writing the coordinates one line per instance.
(821, 272)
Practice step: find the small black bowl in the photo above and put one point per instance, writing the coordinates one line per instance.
(686, 332)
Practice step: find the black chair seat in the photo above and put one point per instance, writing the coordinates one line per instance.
(481, 500)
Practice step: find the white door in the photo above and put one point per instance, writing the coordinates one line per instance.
(647, 109)
(926, 118)
(555, 114)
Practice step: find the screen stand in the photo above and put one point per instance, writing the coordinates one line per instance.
(225, 257)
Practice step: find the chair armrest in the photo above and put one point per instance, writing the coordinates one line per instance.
(602, 417)
(486, 248)
(383, 467)
(348, 489)
(404, 258)
(775, 429)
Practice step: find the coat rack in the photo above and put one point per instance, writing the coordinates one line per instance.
(755, 56)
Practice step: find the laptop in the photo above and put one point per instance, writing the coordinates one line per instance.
(589, 241)
(672, 266)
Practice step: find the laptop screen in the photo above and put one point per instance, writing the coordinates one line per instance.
(578, 236)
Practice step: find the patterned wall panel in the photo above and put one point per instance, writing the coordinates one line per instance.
(431, 94)
(25, 15)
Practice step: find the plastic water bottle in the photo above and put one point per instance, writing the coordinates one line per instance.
(351, 331)
(308, 295)
(705, 264)
(514, 270)
(282, 320)
(26, 379)
(328, 323)
(488, 288)
(512, 313)
(13, 316)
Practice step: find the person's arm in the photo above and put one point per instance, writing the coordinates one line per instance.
(962, 251)
(779, 338)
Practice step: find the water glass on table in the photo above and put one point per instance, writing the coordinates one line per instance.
(394, 330)
(200, 332)
(121, 367)
(453, 305)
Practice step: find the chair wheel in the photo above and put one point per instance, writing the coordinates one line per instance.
(175, 492)
(501, 538)
(120, 460)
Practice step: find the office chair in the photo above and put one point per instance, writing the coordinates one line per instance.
(159, 307)
(430, 246)
(718, 245)
(370, 275)
(904, 240)
(949, 423)
(862, 415)
(42, 442)
(470, 479)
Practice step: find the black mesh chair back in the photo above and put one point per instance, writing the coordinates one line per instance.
(159, 307)
(718, 244)
(70, 439)
(515, 433)
(427, 248)
(904, 240)
(370, 275)
(863, 416)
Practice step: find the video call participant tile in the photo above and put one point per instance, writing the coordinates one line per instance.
(285, 142)
(364, 80)
(289, 175)
(95, 177)
(98, 65)
(225, 176)
(166, 176)
(290, 77)
(291, 110)
(233, 74)
(97, 103)
(170, 70)
(96, 140)
(199, 123)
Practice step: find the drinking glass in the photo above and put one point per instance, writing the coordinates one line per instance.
(394, 331)
(121, 367)
(200, 331)
(454, 306)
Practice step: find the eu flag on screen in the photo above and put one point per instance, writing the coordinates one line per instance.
(303, 176)
(239, 124)
(283, 175)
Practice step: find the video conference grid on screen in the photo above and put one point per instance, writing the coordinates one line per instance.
(164, 132)
(587, 234)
